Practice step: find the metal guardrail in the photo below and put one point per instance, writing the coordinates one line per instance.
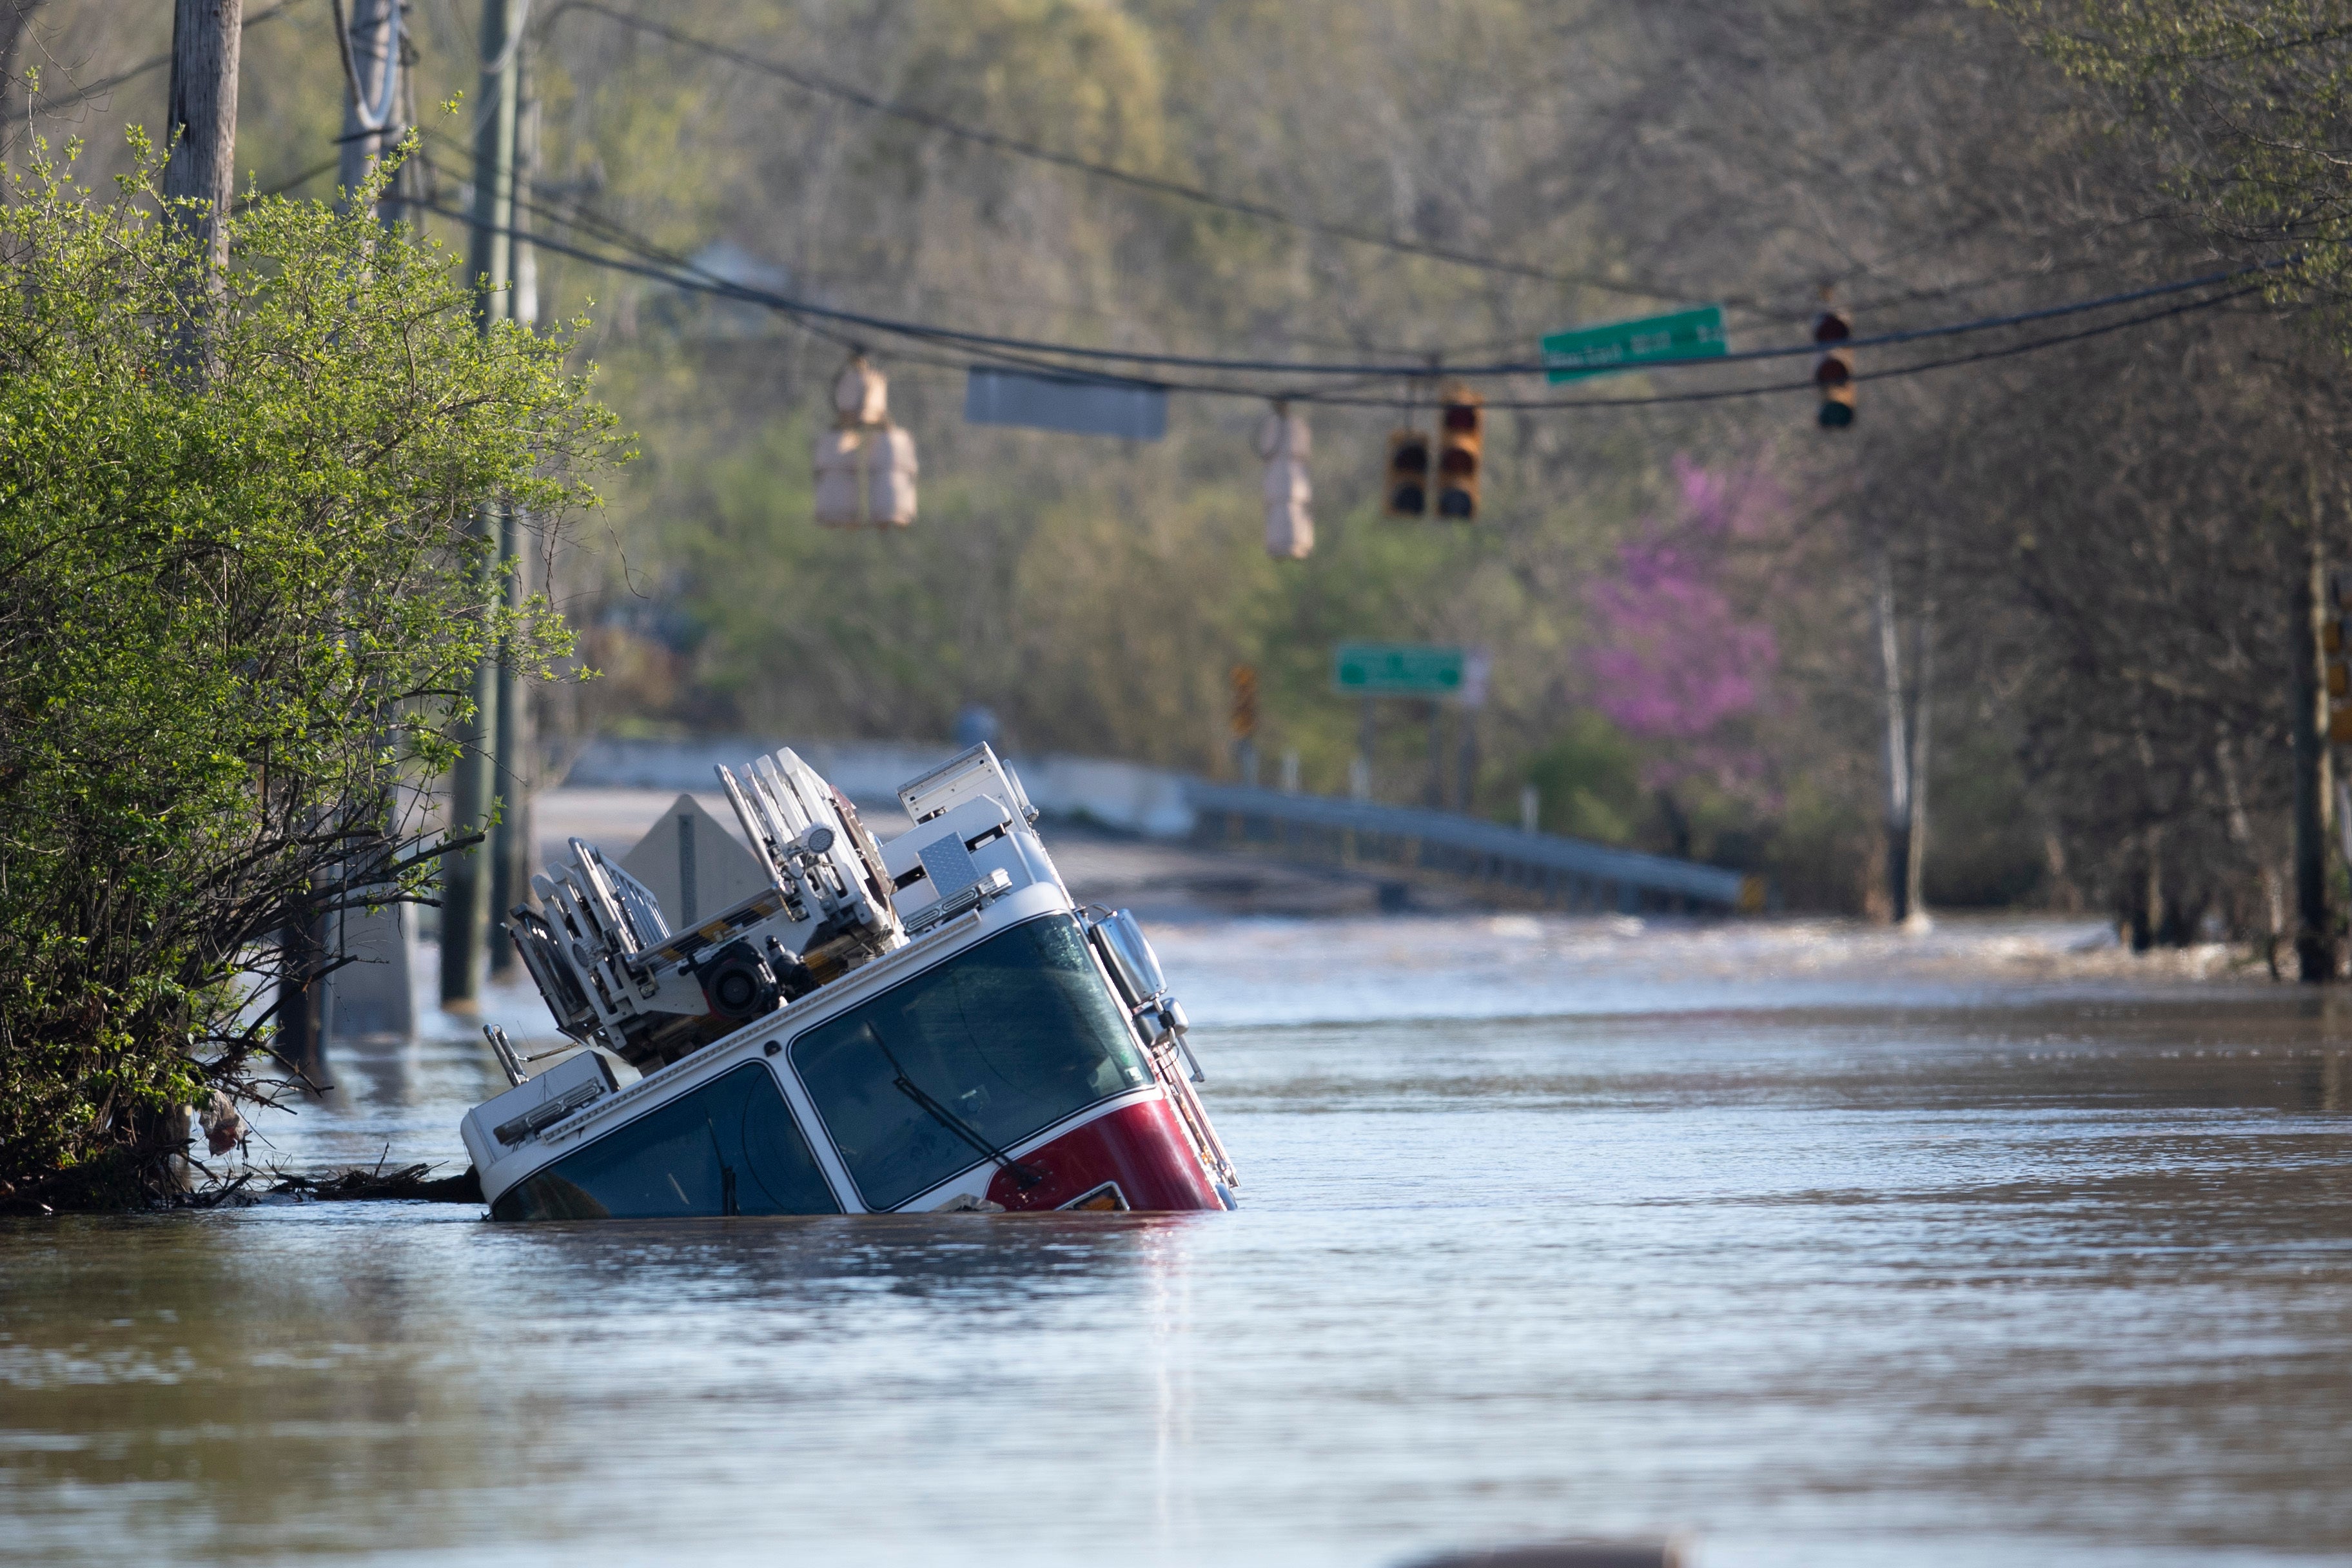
(1161, 804)
(1568, 872)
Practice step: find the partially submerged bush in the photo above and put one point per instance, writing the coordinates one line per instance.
(240, 604)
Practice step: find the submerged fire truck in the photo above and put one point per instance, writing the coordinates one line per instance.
(923, 1027)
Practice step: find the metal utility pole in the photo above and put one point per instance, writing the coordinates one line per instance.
(371, 105)
(465, 879)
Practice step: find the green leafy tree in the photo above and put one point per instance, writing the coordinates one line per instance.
(239, 606)
(2252, 100)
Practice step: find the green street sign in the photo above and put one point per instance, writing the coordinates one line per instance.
(1595, 350)
(1397, 669)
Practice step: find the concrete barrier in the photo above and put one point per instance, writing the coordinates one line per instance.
(1125, 796)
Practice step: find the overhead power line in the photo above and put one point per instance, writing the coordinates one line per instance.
(583, 218)
(810, 81)
(1034, 354)
(611, 232)
(824, 85)
(92, 89)
(1421, 369)
(1716, 394)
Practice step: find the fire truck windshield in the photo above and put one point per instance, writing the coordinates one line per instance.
(1007, 1037)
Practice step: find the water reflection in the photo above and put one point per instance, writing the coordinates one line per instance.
(305, 1379)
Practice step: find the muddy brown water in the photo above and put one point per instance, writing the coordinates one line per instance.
(1811, 1247)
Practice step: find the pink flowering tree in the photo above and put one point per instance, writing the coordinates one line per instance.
(1672, 660)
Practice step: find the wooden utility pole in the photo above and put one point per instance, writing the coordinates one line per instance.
(473, 783)
(2315, 933)
(200, 172)
(490, 258)
(201, 119)
(510, 841)
(200, 123)
(372, 99)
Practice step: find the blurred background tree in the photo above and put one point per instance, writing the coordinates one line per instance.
(2106, 532)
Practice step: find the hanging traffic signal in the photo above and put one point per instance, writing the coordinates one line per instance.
(1833, 372)
(1283, 440)
(1244, 716)
(1406, 494)
(865, 465)
(1460, 420)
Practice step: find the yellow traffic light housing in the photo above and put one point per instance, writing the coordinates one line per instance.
(1460, 439)
(1243, 715)
(1833, 372)
(1406, 493)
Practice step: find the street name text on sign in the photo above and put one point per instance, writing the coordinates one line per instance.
(1695, 333)
(1397, 669)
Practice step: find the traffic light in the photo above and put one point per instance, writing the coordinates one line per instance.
(865, 465)
(1284, 441)
(1459, 421)
(1244, 710)
(1833, 372)
(1406, 494)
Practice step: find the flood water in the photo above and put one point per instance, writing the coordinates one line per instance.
(1811, 1246)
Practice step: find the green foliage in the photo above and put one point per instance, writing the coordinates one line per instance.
(1589, 781)
(2252, 95)
(240, 598)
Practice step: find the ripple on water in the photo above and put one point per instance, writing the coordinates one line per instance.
(1847, 1255)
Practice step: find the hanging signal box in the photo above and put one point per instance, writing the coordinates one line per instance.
(865, 465)
(1833, 372)
(1460, 437)
(1406, 493)
(1245, 704)
(1284, 441)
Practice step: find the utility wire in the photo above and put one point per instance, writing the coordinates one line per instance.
(160, 62)
(583, 218)
(809, 81)
(1722, 393)
(1413, 370)
(291, 182)
(611, 231)
(812, 82)
(1016, 350)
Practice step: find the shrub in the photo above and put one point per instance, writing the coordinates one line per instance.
(241, 596)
